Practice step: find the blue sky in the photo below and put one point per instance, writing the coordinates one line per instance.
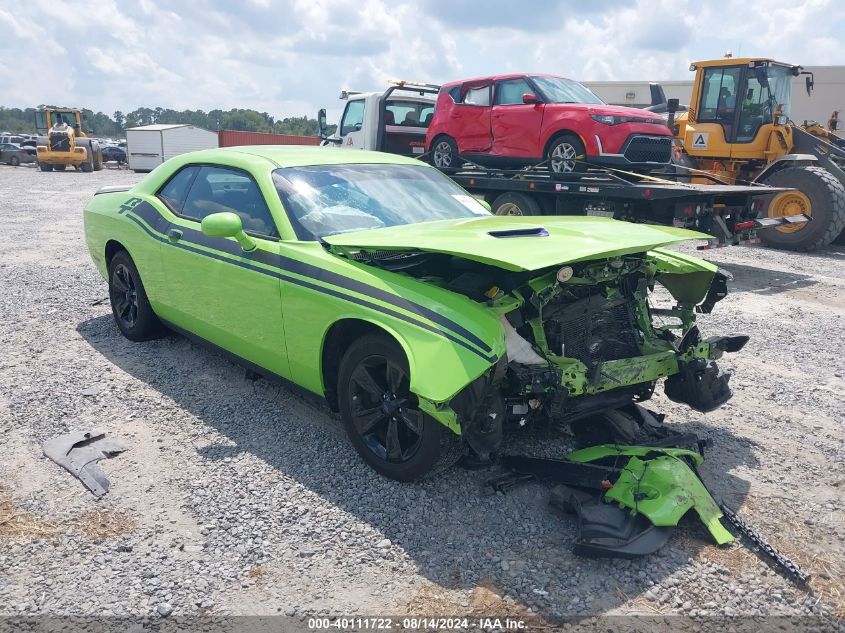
(289, 57)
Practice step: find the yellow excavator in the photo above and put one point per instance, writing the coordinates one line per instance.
(737, 129)
(62, 143)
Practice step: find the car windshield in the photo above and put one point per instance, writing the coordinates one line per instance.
(327, 199)
(560, 90)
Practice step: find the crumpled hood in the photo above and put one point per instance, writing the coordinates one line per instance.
(517, 243)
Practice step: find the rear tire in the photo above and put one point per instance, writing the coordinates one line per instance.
(14, 161)
(565, 155)
(444, 153)
(131, 309)
(826, 196)
(381, 417)
(98, 160)
(513, 203)
(45, 167)
(59, 167)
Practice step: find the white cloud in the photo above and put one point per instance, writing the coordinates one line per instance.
(289, 57)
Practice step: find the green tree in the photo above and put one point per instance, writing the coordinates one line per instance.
(245, 119)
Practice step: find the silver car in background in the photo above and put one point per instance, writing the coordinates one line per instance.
(14, 154)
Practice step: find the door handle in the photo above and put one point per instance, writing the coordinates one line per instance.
(174, 235)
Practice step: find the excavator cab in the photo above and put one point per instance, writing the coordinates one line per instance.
(737, 105)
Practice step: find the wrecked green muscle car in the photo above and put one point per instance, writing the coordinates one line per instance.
(376, 283)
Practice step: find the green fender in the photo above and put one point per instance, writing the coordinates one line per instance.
(686, 278)
(662, 488)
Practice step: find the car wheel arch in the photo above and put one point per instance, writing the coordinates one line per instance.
(441, 135)
(112, 248)
(336, 341)
(556, 135)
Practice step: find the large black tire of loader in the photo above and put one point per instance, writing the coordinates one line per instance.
(98, 160)
(827, 200)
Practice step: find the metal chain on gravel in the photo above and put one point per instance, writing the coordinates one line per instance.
(792, 570)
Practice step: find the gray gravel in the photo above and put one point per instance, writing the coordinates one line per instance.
(244, 499)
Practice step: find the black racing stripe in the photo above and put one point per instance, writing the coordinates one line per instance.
(152, 216)
(315, 287)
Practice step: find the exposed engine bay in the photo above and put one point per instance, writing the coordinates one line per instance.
(582, 338)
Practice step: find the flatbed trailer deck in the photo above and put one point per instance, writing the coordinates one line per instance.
(728, 213)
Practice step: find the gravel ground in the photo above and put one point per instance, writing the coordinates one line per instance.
(237, 497)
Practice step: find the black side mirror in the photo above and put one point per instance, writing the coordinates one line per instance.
(809, 82)
(672, 106)
(321, 123)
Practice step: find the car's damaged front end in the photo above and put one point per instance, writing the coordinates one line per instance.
(582, 336)
(583, 339)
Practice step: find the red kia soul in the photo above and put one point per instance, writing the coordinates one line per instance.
(519, 120)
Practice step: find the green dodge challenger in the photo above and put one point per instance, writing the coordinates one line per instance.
(378, 284)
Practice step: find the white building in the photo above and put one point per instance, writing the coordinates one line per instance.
(828, 95)
(149, 146)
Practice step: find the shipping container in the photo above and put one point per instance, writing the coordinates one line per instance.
(149, 146)
(232, 138)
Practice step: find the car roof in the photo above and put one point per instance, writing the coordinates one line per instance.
(499, 77)
(299, 155)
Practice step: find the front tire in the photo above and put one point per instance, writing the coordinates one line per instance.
(382, 419)
(14, 161)
(444, 153)
(566, 154)
(130, 307)
(45, 167)
(820, 195)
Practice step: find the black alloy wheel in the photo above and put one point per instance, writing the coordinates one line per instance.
(382, 412)
(382, 417)
(130, 307)
(124, 296)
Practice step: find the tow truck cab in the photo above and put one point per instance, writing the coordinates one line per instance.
(394, 121)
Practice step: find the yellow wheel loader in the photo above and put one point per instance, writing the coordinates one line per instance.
(737, 129)
(61, 141)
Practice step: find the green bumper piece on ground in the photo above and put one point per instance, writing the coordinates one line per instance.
(662, 488)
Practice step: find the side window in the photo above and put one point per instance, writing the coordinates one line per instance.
(408, 113)
(719, 98)
(510, 92)
(477, 96)
(220, 189)
(353, 117)
(455, 93)
(755, 110)
(175, 190)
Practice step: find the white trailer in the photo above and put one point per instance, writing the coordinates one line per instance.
(149, 146)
